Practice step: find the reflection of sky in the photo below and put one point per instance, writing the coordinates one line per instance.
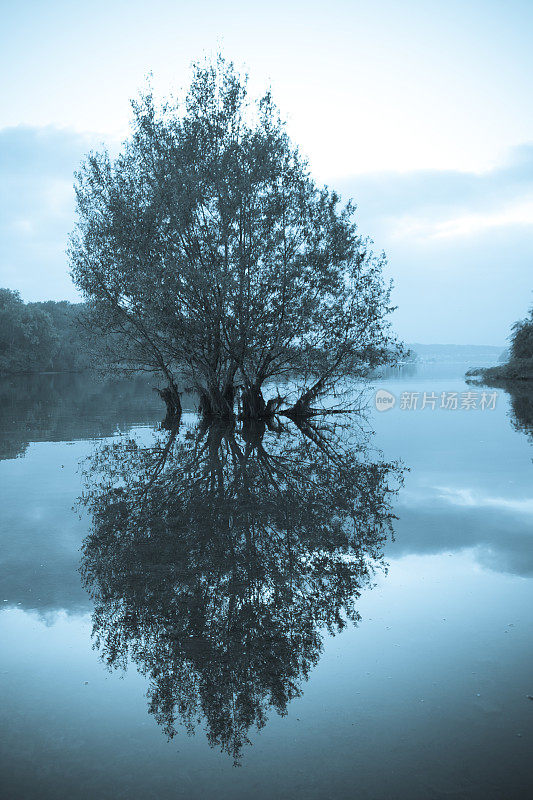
(469, 487)
(469, 484)
(469, 499)
(42, 534)
(427, 698)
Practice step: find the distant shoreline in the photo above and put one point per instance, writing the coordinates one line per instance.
(517, 371)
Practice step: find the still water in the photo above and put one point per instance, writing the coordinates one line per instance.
(330, 613)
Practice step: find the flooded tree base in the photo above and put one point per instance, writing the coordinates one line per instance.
(234, 403)
(171, 398)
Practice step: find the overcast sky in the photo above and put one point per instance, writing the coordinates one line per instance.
(421, 111)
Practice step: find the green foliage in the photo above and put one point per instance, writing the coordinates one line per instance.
(207, 249)
(522, 338)
(519, 366)
(41, 337)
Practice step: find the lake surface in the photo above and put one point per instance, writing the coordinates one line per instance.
(425, 694)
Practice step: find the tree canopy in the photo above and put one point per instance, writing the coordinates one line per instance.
(522, 338)
(518, 366)
(25, 337)
(209, 249)
(40, 337)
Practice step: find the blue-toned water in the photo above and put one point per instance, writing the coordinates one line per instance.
(427, 696)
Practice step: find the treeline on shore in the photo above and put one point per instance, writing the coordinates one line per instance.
(519, 366)
(58, 407)
(59, 336)
(41, 337)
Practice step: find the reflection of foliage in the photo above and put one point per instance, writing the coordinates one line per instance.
(39, 408)
(522, 405)
(516, 375)
(216, 560)
(521, 398)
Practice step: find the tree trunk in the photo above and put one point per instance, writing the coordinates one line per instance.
(171, 397)
(299, 411)
(253, 403)
(302, 407)
(217, 403)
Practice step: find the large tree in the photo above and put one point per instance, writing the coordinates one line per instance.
(206, 246)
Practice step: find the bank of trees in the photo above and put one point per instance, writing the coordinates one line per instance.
(518, 366)
(41, 337)
(211, 256)
(522, 338)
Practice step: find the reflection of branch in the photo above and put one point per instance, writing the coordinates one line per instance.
(319, 438)
(219, 565)
(162, 460)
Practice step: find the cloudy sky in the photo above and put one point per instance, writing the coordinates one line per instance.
(421, 111)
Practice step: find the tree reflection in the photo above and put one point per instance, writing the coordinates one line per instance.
(522, 409)
(218, 558)
(521, 399)
(66, 406)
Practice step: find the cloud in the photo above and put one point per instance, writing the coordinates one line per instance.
(441, 194)
(472, 499)
(458, 243)
(440, 519)
(468, 224)
(37, 209)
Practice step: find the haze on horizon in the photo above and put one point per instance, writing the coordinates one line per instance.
(420, 111)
